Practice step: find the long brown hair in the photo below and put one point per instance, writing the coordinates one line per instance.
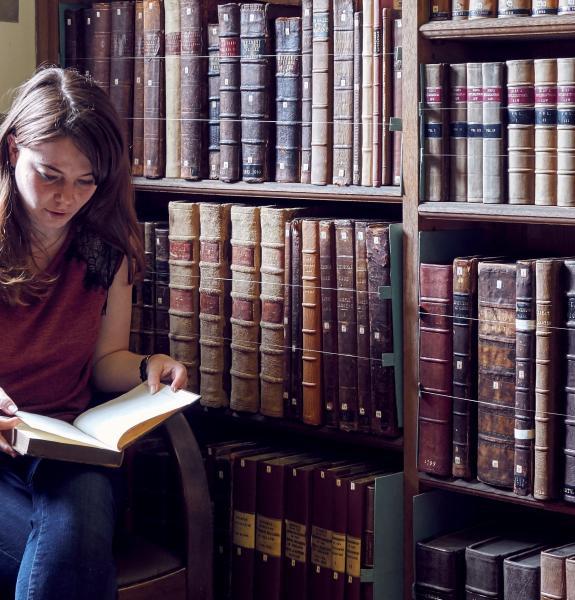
(52, 104)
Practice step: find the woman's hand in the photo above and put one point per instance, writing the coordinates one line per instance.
(163, 367)
(7, 407)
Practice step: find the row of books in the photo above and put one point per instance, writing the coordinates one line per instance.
(273, 312)
(458, 10)
(497, 373)
(485, 562)
(249, 97)
(290, 525)
(499, 132)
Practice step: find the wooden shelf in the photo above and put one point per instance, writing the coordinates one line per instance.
(512, 28)
(552, 215)
(292, 191)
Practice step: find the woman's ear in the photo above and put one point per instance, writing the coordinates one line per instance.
(12, 149)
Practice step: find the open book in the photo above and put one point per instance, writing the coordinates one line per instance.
(100, 434)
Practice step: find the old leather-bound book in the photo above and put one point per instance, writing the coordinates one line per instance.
(367, 94)
(522, 575)
(294, 406)
(162, 289)
(230, 124)
(545, 131)
(376, 97)
(246, 308)
(306, 89)
(514, 8)
(288, 99)
(149, 288)
(521, 131)
(343, 92)
(184, 239)
(479, 9)
(346, 324)
(368, 539)
(474, 132)
(436, 175)
(548, 400)
(553, 582)
(494, 162)
(570, 578)
(440, 10)
(357, 126)
(435, 368)
(74, 52)
(565, 131)
(138, 107)
(397, 99)
(458, 132)
(255, 94)
(541, 8)
(460, 10)
(213, 101)
(173, 88)
(569, 479)
(154, 95)
(101, 44)
(496, 364)
(214, 303)
(287, 317)
(387, 72)
(89, 41)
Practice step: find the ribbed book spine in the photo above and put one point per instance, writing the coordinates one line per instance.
(569, 479)
(294, 409)
(514, 8)
(357, 92)
(149, 288)
(367, 94)
(397, 99)
(173, 91)
(162, 295)
(458, 132)
(138, 107)
(566, 131)
(542, 8)
(387, 73)
(102, 29)
(376, 97)
(287, 292)
(474, 133)
(493, 156)
(74, 52)
(213, 101)
(479, 9)
(439, 10)
(306, 91)
(90, 42)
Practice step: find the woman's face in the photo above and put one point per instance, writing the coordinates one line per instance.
(54, 181)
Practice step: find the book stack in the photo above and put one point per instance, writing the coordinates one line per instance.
(461, 10)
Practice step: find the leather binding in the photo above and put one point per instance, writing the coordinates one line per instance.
(369, 528)
(458, 132)
(459, 10)
(521, 131)
(121, 67)
(89, 41)
(565, 8)
(515, 8)
(440, 10)
(306, 89)
(543, 8)
(138, 108)
(545, 131)
(346, 324)
(101, 38)
(367, 94)
(137, 318)
(321, 102)
(548, 401)
(569, 479)
(273, 224)
(484, 565)
(357, 92)
(214, 303)
(362, 299)
(435, 368)
(287, 317)
(327, 258)
(474, 132)
(524, 378)
(436, 176)
(493, 155)
(312, 412)
(376, 97)
(397, 99)
(246, 308)
(570, 578)
(496, 364)
(184, 240)
(74, 52)
(173, 92)
(162, 299)
(230, 123)
(522, 575)
(343, 92)
(193, 87)
(294, 408)
(214, 101)
(479, 9)
(383, 405)
(149, 289)
(288, 106)
(387, 72)
(464, 367)
(566, 131)
(254, 91)
(553, 581)
(154, 95)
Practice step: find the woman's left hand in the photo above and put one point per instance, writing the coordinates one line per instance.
(163, 367)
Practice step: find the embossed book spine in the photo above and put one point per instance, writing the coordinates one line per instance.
(546, 131)
(522, 575)
(214, 101)
(553, 581)
(458, 132)
(294, 410)
(138, 108)
(464, 367)
(214, 303)
(514, 8)
(496, 411)
(327, 258)
(521, 131)
(367, 93)
(162, 298)
(566, 131)
(542, 8)
(494, 162)
(306, 89)
(569, 482)
(524, 378)
(230, 122)
(357, 92)
(376, 97)
(387, 72)
(440, 10)
(480, 9)
(102, 38)
(343, 92)
(173, 88)
(74, 52)
(287, 316)
(474, 133)
(193, 87)
(548, 400)
(184, 240)
(255, 95)
(397, 99)
(154, 97)
(288, 104)
(435, 368)
(459, 10)
(346, 324)
(246, 308)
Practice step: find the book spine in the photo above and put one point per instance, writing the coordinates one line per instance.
(162, 291)
(565, 131)
(542, 8)
(493, 155)
(102, 37)
(514, 8)
(74, 52)
(458, 132)
(569, 479)
(440, 10)
(138, 108)
(355, 548)
(306, 92)
(357, 93)
(387, 78)
(553, 573)
(214, 100)
(376, 96)
(460, 10)
(367, 94)
(295, 403)
(149, 289)
(479, 9)
(172, 89)
(474, 133)
(89, 43)
(287, 316)
(397, 99)
(565, 7)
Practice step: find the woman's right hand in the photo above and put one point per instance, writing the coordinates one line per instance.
(7, 423)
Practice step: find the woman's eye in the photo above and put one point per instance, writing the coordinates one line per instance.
(47, 176)
(86, 182)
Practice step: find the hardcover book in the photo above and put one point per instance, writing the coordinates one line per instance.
(569, 478)
(553, 581)
(565, 130)
(458, 132)
(306, 89)
(397, 99)
(213, 101)
(138, 107)
(474, 132)
(494, 162)
(173, 91)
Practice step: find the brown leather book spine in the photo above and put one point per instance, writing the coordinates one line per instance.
(387, 72)
(173, 87)
(340, 494)
(553, 581)
(154, 95)
(230, 123)
(474, 132)
(162, 297)
(89, 41)
(246, 308)
(569, 479)
(460, 10)
(287, 346)
(367, 93)
(566, 131)
(376, 97)
(524, 377)
(102, 37)
(149, 289)
(542, 8)
(74, 52)
(357, 60)
(214, 101)
(306, 91)
(570, 578)
(440, 10)
(496, 411)
(458, 132)
(435, 368)
(138, 108)
(494, 163)
(515, 8)
(479, 9)
(464, 367)
(346, 324)
(545, 131)
(294, 409)
(397, 99)
(521, 131)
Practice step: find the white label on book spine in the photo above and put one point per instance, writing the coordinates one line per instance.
(306, 12)
(226, 17)
(378, 414)
(69, 22)
(118, 11)
(499, 284)
(116, 81)
(149, 163)
(305, 167)
(268, 469)
(282, 166)
(342, 82)
(457, 460)
(344, 235)
(250, 160)
(519, 469)
(306, 85)
(362, 411)
(189, 12)
(214, 104)
(136, 161)
(376, 240)
(524, 434)
(138, 80)
(361, 330)
(344, 406)
(495, 464)
(250, 98)
(459, 270)
(225, 80)
(323, 235)
(214, 30)
(341, 172)
(225, 164)
(98, 14)
(88, 21)
(459, 365)
(186, 163)
(523, 272)
(252, 18)
(376, 335)
(496, 385)
(326, 325)
(360, 236)
(284, 104)
(287, 31)
(150, 83)
(343, 328)
(521, 374)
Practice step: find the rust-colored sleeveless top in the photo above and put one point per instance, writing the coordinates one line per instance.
(46, 348)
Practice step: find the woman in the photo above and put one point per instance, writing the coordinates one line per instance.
(69, 251)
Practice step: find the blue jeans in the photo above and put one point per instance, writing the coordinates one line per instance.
(56, 530)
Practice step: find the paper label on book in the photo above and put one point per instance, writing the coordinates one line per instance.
(244, 530)
(321, 546)
(492, 94)
(269, 536)
(353, 556)
(338, 552)
(459, 93)
(524, 434)
(524, 94)
(320, 26)
(433, 130)
(69, 22)
(475, 94)
(495, 464)
(495, 385)
(565, 94)
(545, 94)
(433, 95)
(296, 542)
